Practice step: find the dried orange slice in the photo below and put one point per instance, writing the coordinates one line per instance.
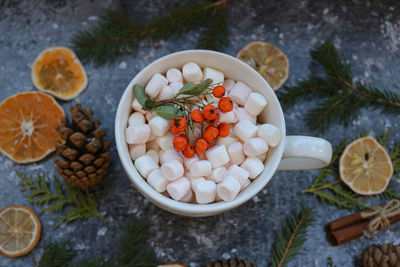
(19, 231)
(268, 60)
(365, 166)
(28, 124)
(59, 72)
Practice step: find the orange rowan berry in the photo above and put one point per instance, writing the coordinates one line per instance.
(197, 116)
(213, 121)
(188, 152)
(178, 125)
(180, 142)
(219, 91)
(223, 129)
(209, 112)
(225, 104)
(210, 133)
(201, 146)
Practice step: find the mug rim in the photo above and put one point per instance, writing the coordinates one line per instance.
(177, 207)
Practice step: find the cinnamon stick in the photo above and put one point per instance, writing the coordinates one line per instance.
(351, 231)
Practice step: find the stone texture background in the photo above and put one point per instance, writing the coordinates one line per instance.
(367, 33)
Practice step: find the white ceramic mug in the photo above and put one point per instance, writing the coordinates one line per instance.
(293, 152)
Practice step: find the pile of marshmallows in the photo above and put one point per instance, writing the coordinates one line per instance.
(226, 168)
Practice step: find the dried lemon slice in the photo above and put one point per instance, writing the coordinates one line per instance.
(268, 60)
(19, 231)
(365, 166)
(59, 72)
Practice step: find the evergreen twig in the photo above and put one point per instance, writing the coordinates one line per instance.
(292, 236)
(328, 186)
(216, 35)
(82, 203)
(117, 33)
(131, 252)
(342, 99)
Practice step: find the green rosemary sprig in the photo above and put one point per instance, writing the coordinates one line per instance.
(131, 252)
(292, 237)
(342, 99)
(82, 205)
(329, 188)
(117, 33)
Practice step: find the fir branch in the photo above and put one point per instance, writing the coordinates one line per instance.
(56, 255)
(131, 252)
(341, 98)
(329, 188)
(117, 33)
(216, 35)
(82, 204)
(330, 262)
(292, 237)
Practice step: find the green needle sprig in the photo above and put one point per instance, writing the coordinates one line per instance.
(340, 98)
(292, 237)
(81, 204)
(117, 33)
(329, 188)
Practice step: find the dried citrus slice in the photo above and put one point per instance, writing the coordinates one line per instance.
(365, 166)
(268, 60)
(59, 72)
(28, 124)
(19, 231)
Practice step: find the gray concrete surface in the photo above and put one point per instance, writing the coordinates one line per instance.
(367, 32)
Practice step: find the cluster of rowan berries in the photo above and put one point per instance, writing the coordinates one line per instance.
(208, 114)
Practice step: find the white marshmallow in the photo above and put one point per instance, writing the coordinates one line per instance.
(166, 93)
(262, 157)
(228, 189)
(242, 114)
(178, 188)
(228, 117)
(188, 197)
(176, 87)
(154, 155)
(151, 137)
(218, 156)
(218, 198)
(156, 83)
(157, 180)
(170, 154)
(159, 126)
(235, 151)
(205, 192)
(165, 142)
(136, 151)
(229, 84)
(145, 165)
(245, 130)
(137, 107)
(254, 147)
(245, 185)
(218, 175)
(226, 141)
(172, 170)
(201, 168)
(253, 165)
(255, 103)
(239, 93)
(270, 133)
(216, 76)
(137, 134)
(149, 115)
(194, 181)
(136, 118)
(174, 75)
(152, 145)
(192, 72)
(241, 175)
(187, 162)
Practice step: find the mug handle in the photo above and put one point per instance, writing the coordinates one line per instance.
(305, 153)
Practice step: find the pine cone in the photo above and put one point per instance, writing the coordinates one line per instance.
(386, 255)
(84, 158)
(235, 262)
